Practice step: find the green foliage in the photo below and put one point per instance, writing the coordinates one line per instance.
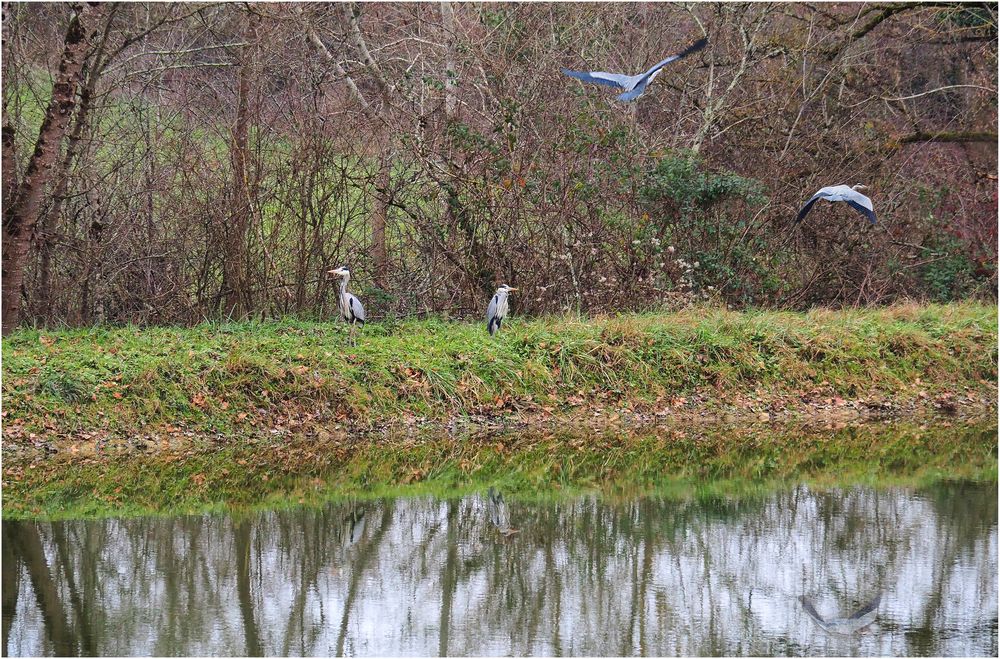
(681, 179)
(949, 274)
(970, 16)
(708, 212)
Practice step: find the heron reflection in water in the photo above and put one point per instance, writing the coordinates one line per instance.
(849, 625)
(496, 509)
(353, 528)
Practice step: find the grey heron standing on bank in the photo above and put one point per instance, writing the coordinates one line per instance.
(497, 310)
(350, 306)
(850, 194)
(634, 86)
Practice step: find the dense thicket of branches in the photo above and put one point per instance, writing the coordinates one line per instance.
(216, 160)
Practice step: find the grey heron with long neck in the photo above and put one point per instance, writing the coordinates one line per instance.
(350, 306)
(497, 310)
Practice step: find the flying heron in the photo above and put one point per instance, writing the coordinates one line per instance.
(846, 193)
(497, 310)
(350, 306)
(634, 86)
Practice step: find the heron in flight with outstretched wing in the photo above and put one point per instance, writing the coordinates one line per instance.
(850, 194)
(634, 86)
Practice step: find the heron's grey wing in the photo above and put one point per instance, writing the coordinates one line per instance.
(860, 199)
(861, 203)
(809, 204)
(491, 310)
(356, 309)
(867, 212)
(867, 608)
(693, 48)
(639, 86)
(617, 80)
(811, 610)
(659, 65)
(635, 92)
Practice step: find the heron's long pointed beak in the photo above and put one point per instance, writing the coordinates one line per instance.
(511, 288)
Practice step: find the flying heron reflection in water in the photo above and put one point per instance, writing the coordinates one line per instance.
(849, 625)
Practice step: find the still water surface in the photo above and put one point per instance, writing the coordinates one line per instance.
(422, 576)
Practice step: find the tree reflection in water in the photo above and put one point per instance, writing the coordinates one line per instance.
(422, 576)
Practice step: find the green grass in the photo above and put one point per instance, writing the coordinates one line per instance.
(269, 473)
(223, 377)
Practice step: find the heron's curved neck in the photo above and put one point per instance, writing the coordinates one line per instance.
(343, 284)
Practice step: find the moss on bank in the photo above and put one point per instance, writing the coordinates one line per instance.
(223, 378)
(275, 473)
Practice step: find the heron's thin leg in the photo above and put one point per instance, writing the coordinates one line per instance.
(354, 340)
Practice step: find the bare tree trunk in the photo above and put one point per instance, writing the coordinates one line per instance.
(9, 165)
(149, 134)
(21, 215)
(451, 71)
(380, 259)
(234, 273)
(379, 216)
(48, 222)
(9, 151)
(93, 273)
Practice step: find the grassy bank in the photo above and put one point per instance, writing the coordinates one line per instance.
(236, 378)
(268, 472)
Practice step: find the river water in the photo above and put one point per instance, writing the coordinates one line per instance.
(586, 576)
